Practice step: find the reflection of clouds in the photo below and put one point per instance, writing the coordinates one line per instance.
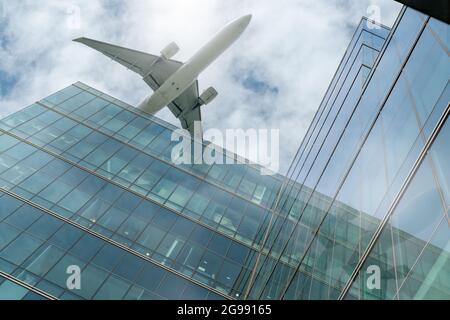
(420, 211)
(293, 47)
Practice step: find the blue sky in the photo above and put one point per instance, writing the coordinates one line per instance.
(273, 77)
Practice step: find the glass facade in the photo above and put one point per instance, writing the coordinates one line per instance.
(181, 219)
(368, 190)
(87, 180)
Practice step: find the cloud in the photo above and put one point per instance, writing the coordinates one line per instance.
(273, 77)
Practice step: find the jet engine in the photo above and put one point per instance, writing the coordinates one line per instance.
(208, 95)
(170, 50)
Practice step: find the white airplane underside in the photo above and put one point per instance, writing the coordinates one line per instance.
(155, 71)
(175, 83)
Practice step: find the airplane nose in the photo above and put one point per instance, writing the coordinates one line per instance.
(245, 20)
(238, 25)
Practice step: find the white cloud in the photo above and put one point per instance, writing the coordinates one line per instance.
(291, 45)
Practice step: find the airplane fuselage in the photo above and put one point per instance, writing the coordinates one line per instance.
(183, 78)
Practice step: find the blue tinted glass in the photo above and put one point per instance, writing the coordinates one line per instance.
(87, 247)
(201, 235)
(113, 289)
(44, 259)
(150, 277)
(193, 292)
(66, 236)
(108, 257)
(238, 252)
(11, 291)
(219, 244)
(24, 217)
(146, 210)
(129, 267)
(45, 227)
(132, 228)
(183, 227)
(92, 278)
(128, 201)
(172, 287)
(18, 250)
(8, 204)
(165, 219)
(7, 234)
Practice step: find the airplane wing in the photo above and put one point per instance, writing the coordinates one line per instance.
(188, 120)
(155, 71)
(185, 107)
(194, 116)
(137, 61)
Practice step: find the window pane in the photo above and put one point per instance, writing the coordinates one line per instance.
(151, 237)
(7, 233)
(91, 279)
(11, 291)
(44, 260)
(113, 289)
(17, 251)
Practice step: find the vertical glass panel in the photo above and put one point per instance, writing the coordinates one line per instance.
(427, 73)
(440, 152)
(421, 196)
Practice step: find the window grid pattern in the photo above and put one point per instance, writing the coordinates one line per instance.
(409, 114)
(331, 117)
(122, 216)
(37, 248)
(10, 290)
(143, 174)
(418, 266)
(154, 139)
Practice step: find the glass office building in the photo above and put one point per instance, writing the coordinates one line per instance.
(368, 192)
(87, 181)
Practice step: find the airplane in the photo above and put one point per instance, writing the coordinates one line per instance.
(175, 83)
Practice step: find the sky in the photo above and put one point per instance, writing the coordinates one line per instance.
(273, 77)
